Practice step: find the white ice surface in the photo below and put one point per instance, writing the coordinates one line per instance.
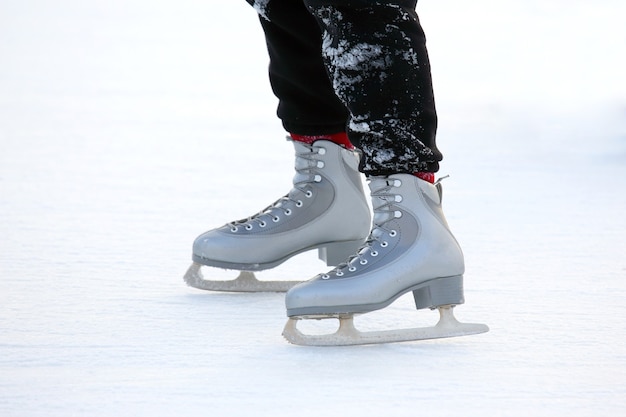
(129, 127)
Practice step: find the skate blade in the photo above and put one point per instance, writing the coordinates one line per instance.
(245, 282)
(348, 335)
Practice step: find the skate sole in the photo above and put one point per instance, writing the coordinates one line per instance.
(428, 294)
(332, 253)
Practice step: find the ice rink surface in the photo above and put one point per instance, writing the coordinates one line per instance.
(129, 127)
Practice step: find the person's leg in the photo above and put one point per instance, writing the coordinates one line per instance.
(376, 57)
(326, 209)
(307, 104)
(375, 53)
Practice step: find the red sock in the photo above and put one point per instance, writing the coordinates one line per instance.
(340, 138)
(426, 176)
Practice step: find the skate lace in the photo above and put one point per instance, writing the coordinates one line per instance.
(383, 200)
(306, 166)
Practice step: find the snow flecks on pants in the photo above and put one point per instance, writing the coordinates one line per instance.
(391, 146)
(347, 60)
(261, 7)
(379, 68)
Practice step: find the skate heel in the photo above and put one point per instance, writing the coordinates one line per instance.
(439, 292)
(337, 252)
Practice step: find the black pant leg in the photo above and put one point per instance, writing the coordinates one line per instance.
(308, 104)
(375, 52)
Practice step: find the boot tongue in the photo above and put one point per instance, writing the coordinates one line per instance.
(301, 166)
(381, 199)
(301, 147)
(378, 183)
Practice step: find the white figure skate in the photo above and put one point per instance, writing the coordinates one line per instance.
(410, 248)
(326, 210)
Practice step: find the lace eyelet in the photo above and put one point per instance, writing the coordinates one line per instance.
(325, 276)
(339, 273)
(397, 214)
(309, 194)
(263, 224)
(299, 203)
(352, 269)
(398, 198)
(374, 253)
(320, 164)
(384, 244)
(288, 212)
(275, 219)
(317, 178)
(248, 227)
(321, 151)
(363, 261)
(393, 233)
(234, 229)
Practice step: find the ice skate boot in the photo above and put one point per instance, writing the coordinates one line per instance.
(326, 210)
(410, 248)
